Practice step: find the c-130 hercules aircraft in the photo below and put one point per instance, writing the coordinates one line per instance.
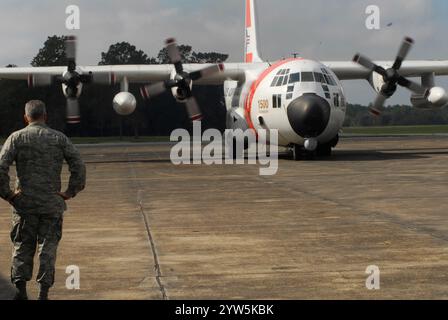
(301, 98)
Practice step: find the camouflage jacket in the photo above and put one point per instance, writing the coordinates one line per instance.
(39, 152)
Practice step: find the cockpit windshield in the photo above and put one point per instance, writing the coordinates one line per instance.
(283, 78)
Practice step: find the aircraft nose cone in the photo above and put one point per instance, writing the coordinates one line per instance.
(309, 115)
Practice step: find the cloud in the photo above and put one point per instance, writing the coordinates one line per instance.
(319, 29)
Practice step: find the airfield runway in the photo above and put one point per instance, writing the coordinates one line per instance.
(146, 229)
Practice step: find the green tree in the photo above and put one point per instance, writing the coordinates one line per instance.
(124, 53)
(190, 56)
(52, 53)
(208, 57)
(185, 53)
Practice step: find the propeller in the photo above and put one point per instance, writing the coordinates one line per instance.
(72, 79)
(391, 77)
(181, 82)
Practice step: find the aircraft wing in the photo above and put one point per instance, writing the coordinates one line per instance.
(345, 70)
(134, 73)
(352, 71)
(23, 73)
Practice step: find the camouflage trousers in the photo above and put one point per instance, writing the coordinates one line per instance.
(30, 233)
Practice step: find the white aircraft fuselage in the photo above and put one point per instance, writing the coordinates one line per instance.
(302, 99)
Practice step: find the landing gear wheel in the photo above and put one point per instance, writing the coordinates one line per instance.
(323, 150)
(335, 141)
(299, 153)
(296, 152)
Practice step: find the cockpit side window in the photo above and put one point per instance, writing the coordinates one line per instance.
(319, 77)
(279, 82)
(330, 80)
(282, 78)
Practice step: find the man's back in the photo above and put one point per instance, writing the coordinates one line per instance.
(38, 202)
(39, 153)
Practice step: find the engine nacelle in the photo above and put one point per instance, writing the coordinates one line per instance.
(67, 94)
(68, 91)
(376, 81)
(178, 93)
(437, 98)
(124, 103)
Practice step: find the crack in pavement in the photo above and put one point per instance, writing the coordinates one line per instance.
(151, 240)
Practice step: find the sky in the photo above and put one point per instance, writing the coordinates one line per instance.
(325, 30)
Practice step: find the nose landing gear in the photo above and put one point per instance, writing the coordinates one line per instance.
(300, 153)
(312, 150)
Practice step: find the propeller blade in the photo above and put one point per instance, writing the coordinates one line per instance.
(174, 54)
(378, 105)
(368, 64)
(73, 114)
(374, 112)
(70, 47)
(153, 90)
(193, 109)
(413, 86)
(204, 73)
(403, 52)
(364, 61)
(70, 52)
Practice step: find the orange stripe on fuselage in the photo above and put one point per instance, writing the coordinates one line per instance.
(256, 84)
(248, 14)
(249, 58)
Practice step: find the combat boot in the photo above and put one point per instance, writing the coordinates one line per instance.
(20, 291)
(43, 292)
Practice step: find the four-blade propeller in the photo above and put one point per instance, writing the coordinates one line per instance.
(182, 81)
(72, 79)
(391, 77)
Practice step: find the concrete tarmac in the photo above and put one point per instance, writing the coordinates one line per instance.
(147, 229)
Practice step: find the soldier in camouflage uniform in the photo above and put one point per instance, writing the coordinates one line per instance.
(38, 202)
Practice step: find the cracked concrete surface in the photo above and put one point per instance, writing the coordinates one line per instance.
(146, 229)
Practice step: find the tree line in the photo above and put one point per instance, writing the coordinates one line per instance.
(395, 115)
(161, 115)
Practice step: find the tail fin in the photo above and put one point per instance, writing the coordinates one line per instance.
(251, 49)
